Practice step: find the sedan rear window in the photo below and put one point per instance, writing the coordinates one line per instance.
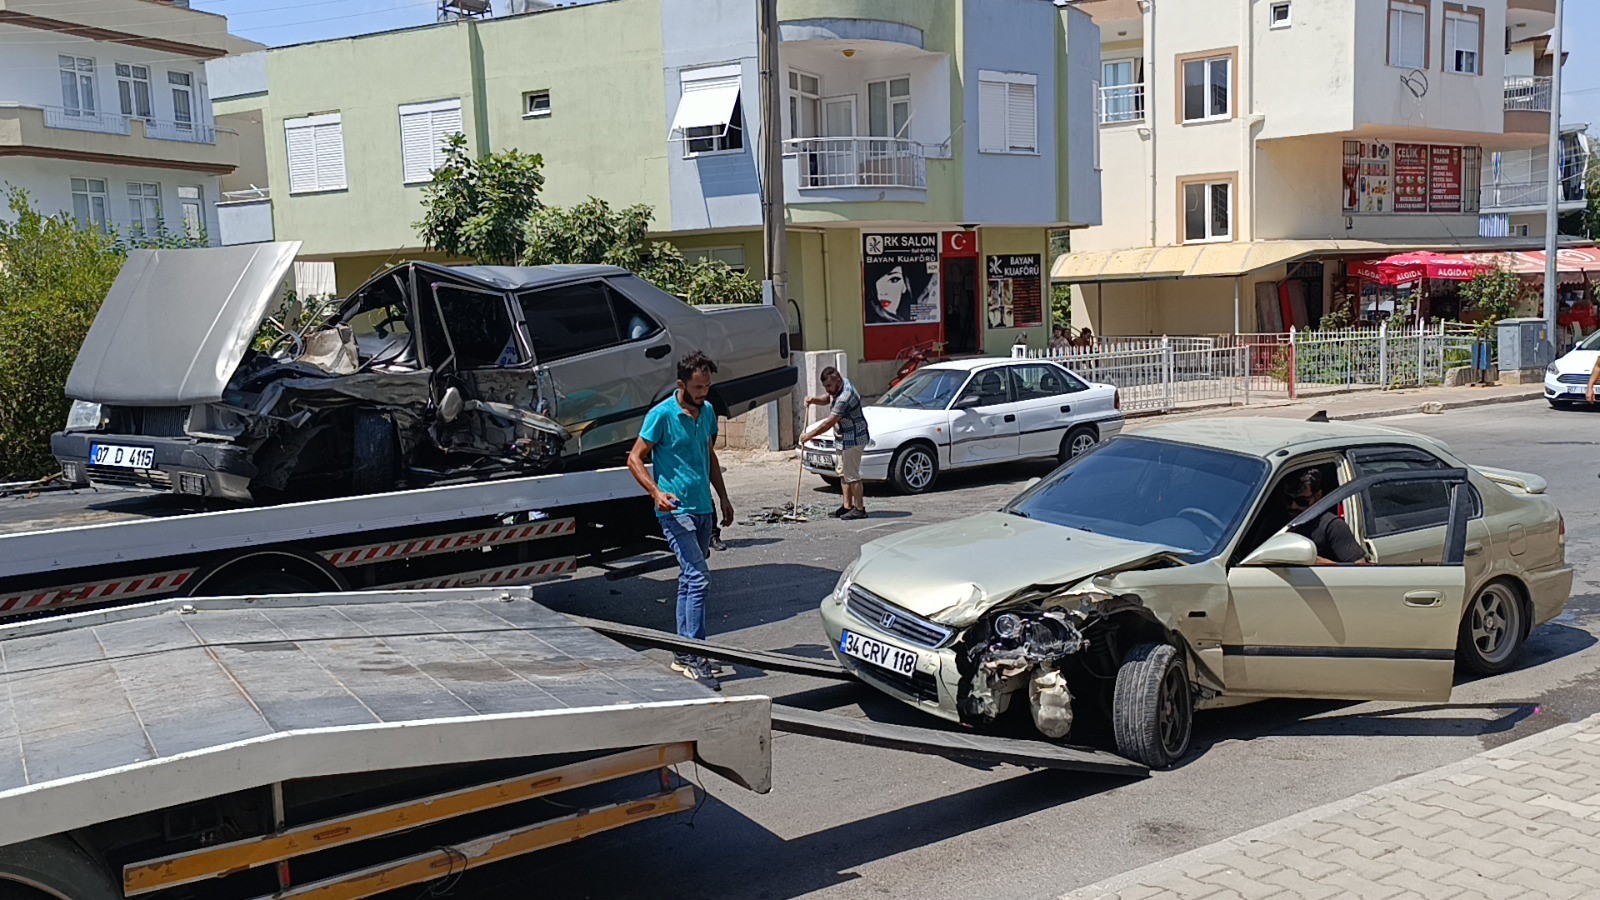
(1189, 498)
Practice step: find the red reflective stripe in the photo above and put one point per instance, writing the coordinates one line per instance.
(181, 577)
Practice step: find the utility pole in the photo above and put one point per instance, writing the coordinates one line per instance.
(776, 253)
(1553, 184)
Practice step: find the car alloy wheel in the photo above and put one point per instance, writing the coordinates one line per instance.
(915, 468)
(1152, 709)
(1492, 630)
(1078, 441)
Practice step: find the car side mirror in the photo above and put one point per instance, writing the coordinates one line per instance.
(971, 401)
(1287, 549)
(450, 405)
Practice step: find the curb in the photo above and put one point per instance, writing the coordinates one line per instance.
(1310, 402)
(1108, 888)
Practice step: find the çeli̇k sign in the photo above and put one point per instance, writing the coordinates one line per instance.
(1016, 291)
(901, 275)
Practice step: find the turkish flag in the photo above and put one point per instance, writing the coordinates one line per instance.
(959, 243)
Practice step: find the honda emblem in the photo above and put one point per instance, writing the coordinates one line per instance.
(888, 620)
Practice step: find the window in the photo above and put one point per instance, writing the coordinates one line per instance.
(478, 325)
(191, 203)
(1008, 113)
(1207, 211)
(89, 203)
(144, 207)
(805, 104)
(1395, 508)
(316, 153)
(1408, 35)
(888, 107)
(1471, 178)
(1463, 43)
(710, 116)
(133, 89)
(182, 84)
(732, 257)
(990, 387)
(581, 318)
(77, 85)
(535, 104)
(1278, 15)
(1207, 88)
(1038, 382)
(1122, 90)
(425, 128)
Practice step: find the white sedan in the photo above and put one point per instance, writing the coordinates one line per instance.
(1566, 381)
(974, 412)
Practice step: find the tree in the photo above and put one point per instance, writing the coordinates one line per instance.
(1591, 211)
(53, 277)
(1060, 294)
(592, 232)
(476, 208)
(1494, 295)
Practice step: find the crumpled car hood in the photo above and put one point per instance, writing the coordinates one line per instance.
(955, 572)
(176, 323)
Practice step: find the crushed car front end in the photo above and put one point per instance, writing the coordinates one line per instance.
(151, 448)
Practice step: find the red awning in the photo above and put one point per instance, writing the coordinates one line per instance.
(1569, 261)
(1406, 268)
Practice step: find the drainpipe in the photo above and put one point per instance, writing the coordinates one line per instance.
(1249, 119)
(1149, 9)
(1553, 185)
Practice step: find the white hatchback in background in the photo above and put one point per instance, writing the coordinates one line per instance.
(1566, 381)
(974, 412)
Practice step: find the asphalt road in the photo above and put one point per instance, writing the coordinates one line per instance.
(847, 821)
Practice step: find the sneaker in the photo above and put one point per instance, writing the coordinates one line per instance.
(681, 662)
(717, 544)
(839, 513)
(854, 514)
(700, 670)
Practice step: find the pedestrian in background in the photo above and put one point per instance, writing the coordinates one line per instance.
(850, 424)
(679, 435)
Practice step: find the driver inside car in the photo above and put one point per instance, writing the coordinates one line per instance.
(1336, 544)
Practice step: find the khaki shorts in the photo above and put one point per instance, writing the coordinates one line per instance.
(850, 464)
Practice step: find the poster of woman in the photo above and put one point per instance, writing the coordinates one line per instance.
(901, 278)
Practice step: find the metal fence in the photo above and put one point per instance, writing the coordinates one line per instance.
(1164, 373)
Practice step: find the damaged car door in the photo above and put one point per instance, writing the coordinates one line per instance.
(1348, 632)
(606, 360)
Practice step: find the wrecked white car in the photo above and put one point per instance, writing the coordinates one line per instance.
(426, 374)
(1178, 569)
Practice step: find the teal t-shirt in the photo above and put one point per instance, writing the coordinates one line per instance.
(681, 451)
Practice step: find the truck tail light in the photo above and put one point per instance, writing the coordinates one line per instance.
(783, 345)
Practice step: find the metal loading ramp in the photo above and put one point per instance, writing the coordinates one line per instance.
(109, 714)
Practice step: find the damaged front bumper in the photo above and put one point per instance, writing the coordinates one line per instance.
(933, 685)
(180, 466)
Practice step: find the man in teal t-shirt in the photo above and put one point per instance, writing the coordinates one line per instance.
(677, 437)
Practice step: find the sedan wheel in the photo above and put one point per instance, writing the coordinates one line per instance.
(914, 469)
(1078, 441)
(1492, 630)
(1152, 709)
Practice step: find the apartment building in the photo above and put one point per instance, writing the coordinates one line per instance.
(105, 112)
(929, 146)
(1516, 185)
(1250, 149)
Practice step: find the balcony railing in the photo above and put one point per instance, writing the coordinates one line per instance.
(1121, 103)
(1530, 93)
(81, 120)
(1507, 195)
(115, 123)
(835, 162)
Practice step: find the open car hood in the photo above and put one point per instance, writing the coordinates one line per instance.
(176, 323)
(956, 571)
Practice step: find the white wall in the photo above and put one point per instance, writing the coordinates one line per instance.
(30, 72)
(49, 185)
(1303, 76)
(1449, 102)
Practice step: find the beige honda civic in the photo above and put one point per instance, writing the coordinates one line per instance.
(1205, 564)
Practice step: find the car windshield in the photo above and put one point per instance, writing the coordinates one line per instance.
(1592, 342)
(1189, 498)
(927, 389)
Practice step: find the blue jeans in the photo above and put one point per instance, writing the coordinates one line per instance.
(689, 535)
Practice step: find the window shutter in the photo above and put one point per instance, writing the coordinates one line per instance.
(302, 159)
(992, 128)
(416, 147)
(330, 156)
(445, 123)
(1022, 118)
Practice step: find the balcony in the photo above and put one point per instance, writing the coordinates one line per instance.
(1120, 103)
(1531, 196)
(245, 217)
(112, 138)
(851, 162)
(1529, 93)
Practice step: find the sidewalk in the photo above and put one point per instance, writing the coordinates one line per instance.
(1367, 404)
(1519, 821)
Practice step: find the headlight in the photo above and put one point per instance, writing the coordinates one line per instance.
(1008, 626)
(843, 586)
(1552, 369)
(84, 416)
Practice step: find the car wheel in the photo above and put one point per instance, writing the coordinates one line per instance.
(914, 468)
(1152, 706)
(1078, 441)
(1493, 630)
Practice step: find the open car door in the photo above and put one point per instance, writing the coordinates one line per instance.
(1348, 632)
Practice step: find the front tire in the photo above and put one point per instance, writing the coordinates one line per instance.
(1493, 630)
(914, 469)
(1078, 441)
(1152, 706)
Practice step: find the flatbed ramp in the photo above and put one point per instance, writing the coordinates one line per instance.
(195, 698)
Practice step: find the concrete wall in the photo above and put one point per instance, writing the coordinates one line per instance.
(718, 190)
(1078, 172)
(244, 75)
(1010, 36)
(1471, 103)
(1313, 58)
(49, 185)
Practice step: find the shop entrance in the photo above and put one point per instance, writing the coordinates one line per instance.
(961, 335)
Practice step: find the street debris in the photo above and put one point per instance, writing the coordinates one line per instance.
(788, 513)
